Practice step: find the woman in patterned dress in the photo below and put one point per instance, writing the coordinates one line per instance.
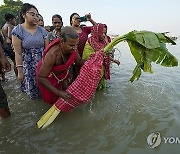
(29, 41)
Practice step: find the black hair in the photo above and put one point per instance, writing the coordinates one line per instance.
(72, 17)
(68, 32)
(51, 28)
(9, 16)
(57, 16)
(25, 7)
(105, 26)
(40, 15)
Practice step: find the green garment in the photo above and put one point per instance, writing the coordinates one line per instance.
(88, 50)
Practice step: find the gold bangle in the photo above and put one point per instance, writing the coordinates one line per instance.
(19, 66)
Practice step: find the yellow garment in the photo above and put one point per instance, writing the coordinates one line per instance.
(88, 50)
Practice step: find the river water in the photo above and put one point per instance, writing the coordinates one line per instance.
(117, 120)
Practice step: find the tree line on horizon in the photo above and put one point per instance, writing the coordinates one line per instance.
(10, 6)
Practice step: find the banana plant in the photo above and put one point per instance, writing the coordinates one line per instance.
(146, 47)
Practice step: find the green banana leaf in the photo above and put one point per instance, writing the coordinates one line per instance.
(146, 47)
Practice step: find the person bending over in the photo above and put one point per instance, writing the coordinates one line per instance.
(52, 73)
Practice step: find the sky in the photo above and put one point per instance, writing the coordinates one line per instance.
(121, 16)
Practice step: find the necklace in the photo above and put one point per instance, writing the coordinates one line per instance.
(63, 58)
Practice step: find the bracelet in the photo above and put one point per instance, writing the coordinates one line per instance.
(19, 66)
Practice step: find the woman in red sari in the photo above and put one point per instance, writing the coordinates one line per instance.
(83, 31)
(53, 69)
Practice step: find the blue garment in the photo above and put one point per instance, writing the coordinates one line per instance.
(32, 49)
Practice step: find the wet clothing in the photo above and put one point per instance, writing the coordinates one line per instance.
(32, 50)
(97, 44)
(4, 108)
(85, 85)
(55, 80)
(94, 44)
(9, 51)
(3, 98)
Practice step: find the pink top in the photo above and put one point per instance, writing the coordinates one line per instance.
(83, 36)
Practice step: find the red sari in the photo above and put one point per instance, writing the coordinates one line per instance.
(55, 80)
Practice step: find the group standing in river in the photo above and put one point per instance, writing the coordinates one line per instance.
(46, 63)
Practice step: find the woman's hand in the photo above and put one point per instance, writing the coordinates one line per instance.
(88, 16)
(20, 77)
(6, 66)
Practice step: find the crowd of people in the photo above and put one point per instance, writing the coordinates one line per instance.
(47, 61)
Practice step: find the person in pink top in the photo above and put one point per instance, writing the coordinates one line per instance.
(83, 31)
